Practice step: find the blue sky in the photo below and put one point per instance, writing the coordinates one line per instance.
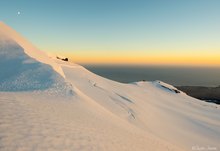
(146, 28)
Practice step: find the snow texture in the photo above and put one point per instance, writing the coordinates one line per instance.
(20, 71)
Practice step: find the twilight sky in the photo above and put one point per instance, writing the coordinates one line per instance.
(176, 32)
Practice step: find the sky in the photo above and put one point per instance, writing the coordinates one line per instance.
(156, 32)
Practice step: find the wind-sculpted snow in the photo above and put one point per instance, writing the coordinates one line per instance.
(25, 68)
(20, 72)
(7, 34)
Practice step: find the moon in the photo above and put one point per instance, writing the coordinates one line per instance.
(19, 13)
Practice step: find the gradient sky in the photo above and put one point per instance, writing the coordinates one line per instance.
(175, 32)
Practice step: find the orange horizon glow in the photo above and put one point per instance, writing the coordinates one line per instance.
(201, 59)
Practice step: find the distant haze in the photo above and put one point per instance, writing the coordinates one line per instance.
(179, 76)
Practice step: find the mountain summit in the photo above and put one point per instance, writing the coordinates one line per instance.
(23, 66)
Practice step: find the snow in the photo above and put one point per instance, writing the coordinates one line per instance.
(86, 112)
(22, 67)
(7, 33)
(175, 117)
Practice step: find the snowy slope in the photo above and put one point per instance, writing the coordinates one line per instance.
(153, 107)
(96, 114)
(7, 33)
(22, 66)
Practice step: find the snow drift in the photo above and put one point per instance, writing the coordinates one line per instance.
(24, 67)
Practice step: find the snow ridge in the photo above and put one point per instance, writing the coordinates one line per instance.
(23, 67)
(8, 33)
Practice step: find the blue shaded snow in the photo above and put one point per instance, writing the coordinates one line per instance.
(20, 72)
